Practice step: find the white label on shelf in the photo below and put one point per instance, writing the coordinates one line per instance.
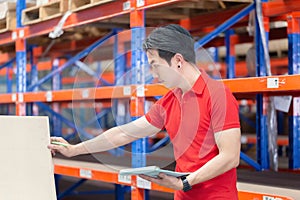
(124, 179)
(14, 97)
(271, 198)
(14, 35)
(20, 97)
(282, 103)
(126, 5)
(21, 34)
(48, 96)
(142, 183)
(272, 82)
(296, 105)
(85, 94)
(121, 109)
(140, 3)
(140, 91)
(85, 173)
(126, 90)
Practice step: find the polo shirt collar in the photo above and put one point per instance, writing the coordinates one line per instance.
(201, 82)
(198, 86)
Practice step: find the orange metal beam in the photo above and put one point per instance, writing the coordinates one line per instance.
(6, 98)
(279, 7)
(112, 177)
(243, 195)
(287, 83)
(41, 66)
(205, 20)
(157, 3)
(6, 38)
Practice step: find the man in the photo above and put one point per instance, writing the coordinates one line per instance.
(199, 114)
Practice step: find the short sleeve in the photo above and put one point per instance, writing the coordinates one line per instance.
(157, 114)
(224, 111)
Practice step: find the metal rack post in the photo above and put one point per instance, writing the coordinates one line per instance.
(20, 59)
(294, 68)
(261, 114)
(230, 53)
(56, 85)
(139, 147)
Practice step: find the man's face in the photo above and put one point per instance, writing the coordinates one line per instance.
(162, 71)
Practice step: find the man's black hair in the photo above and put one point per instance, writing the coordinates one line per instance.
(168, 53)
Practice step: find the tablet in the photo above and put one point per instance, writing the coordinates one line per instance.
(151, 171)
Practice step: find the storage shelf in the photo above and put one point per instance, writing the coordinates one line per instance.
(254, 85)
(96, 171)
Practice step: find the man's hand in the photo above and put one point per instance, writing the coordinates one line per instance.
(67, 150)
(166, 181)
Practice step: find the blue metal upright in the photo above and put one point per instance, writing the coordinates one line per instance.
(56, 85)
(9, 68)
(261, 115)
(34, 76)
(230, 54)
(20, 59)
(138, 62)
(294, 68)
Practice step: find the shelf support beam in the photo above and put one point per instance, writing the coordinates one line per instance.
(261, 100)
(20, 59)
(294, 68)
(138, 59)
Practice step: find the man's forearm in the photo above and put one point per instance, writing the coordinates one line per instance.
(110, 139)
(215, 167)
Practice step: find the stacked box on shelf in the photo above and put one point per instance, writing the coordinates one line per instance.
(44, 12)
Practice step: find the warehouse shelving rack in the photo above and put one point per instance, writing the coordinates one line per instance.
(287, 84)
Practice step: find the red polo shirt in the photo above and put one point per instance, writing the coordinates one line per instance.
(191, 121)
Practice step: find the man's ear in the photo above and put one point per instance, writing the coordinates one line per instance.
(178, 58)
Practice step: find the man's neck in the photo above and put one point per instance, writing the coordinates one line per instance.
(191, 75)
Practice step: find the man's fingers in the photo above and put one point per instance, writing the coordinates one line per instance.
(55, 147)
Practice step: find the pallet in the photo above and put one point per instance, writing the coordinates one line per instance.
(77, 5)
(44, 12)
(7, 16)
(9, 22)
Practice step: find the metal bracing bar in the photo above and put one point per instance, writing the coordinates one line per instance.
(56, 85)
(70, 189)
(90, 72)
(9, 63)
(250, 161)
(63, 119)
(227, 24)
(73, 60)
(159, 144)
(98, 116)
